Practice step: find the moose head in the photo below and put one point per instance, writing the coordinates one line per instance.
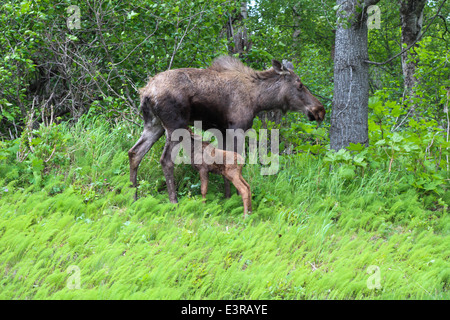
(295, 95)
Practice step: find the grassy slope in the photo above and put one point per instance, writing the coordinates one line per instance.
(313, 234)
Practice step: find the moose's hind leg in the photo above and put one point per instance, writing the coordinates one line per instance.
(168, 166)
(150, 135)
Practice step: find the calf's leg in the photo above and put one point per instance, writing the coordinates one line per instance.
(204, 183)
(249, 192)
(244, 192)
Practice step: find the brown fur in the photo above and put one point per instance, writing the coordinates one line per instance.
(227, 95)
(230, 171)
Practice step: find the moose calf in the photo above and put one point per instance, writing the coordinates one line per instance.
(231, 170)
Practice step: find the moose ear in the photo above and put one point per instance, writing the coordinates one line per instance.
(279, 68)
(288, 65)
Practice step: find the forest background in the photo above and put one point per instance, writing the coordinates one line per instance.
(368, 219)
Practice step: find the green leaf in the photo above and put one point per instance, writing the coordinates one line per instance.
(8, 116)
(359, 161)
(396, 137)
(36, 141)
(355, 147)
(71, 37)
(37, 164)
(132, 14)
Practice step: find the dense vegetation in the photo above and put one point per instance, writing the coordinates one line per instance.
(69, 113)
(313, 232)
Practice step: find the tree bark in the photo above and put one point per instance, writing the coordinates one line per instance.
(349, 117)
(237, 32)
(411, 14)
(296, 19)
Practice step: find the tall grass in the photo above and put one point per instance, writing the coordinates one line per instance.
(313, 233)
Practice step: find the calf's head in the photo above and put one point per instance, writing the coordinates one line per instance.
(295, 95)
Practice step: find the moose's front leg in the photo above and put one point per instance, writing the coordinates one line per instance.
(227, 185)
(227, 188)
(167, 166)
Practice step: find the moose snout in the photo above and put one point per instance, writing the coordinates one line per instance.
(317, 113)
(321, 114)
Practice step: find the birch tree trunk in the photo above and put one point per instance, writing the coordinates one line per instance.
(237, 32)
(349, 117)
(411, 14)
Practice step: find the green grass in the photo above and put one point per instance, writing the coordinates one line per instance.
(313, 233)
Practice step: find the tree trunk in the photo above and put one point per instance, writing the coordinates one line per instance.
(237, 32)
(296, 19)
(411, 14)
(349, 117)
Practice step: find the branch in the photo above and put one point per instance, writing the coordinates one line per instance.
(156, 28)
(412, 44)
(176, 46)
(368, 3)
(316, 94)
(445, 24)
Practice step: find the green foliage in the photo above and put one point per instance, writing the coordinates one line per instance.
(312, 235)
(431, 60)
(68, 114)
(431, 95)
(47, 67)
(299, 31)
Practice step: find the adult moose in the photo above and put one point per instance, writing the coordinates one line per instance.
(227, 95)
